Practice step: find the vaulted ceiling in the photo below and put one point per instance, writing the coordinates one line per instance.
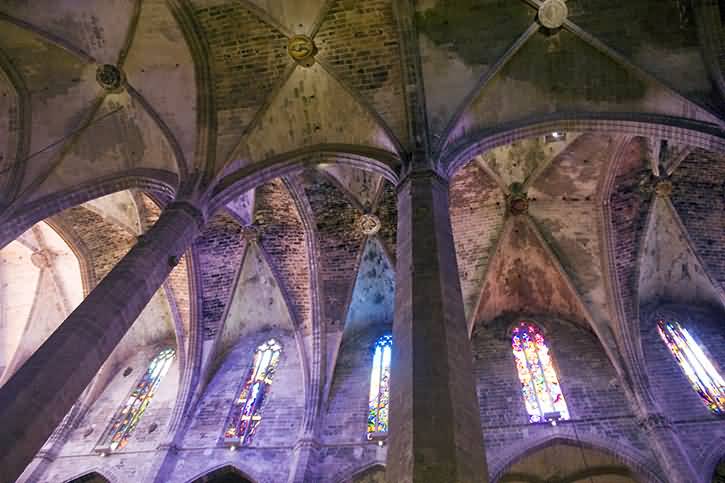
(211, 92)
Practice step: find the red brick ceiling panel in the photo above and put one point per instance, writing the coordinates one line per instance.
(477, 208)
(574, 173)
(248, 57)
(284, 240)
(219, 249)
(699, 197)
(628, 212)
(339, 242)
(359, 40)
(524, 278)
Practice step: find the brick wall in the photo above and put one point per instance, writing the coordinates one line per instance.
(699, 430)
(629, 214)
(134, 461)
(361, 43)
(699, 196)
(284, 241)
(219, 249)
(339, 243)
(596, 402)
(270, 451)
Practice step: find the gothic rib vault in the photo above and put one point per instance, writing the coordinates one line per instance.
(585, 169)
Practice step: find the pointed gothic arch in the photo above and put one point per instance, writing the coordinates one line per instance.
(91, 477)
(225, 474)
(623, 458)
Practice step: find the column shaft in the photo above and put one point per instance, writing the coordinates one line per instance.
(435, 427)
(37, 397)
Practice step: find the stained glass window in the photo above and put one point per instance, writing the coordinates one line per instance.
(127, 418)
(702, 374)
(247, 411)
(539, 383)
(380, 388)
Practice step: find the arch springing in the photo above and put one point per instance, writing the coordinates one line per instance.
(247, 411)
(539, 383)
(693, 361)
(379, 400)
(128, 417)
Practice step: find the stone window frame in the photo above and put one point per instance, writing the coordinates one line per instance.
(251, 345)
(684, 316)
(543, 324)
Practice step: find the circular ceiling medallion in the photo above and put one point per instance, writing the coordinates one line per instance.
(250, 233)
(40, 259)
(552, 13)
(663, 188)
(369, 224)
(110, 77)
(302, 49)
(519, 206)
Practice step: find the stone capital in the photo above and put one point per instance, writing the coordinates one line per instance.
(193, 209)
(420, 174)
(653, 421)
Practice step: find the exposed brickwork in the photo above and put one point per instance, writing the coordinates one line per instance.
(699, 197)
(339, 243)
(360, 41)
(387, 210)
(134, 461)
(628, 211)
(219, 249)
(345, 418)
(283, 238)
(524, 278)
(248, 57)
(247, 54)
(477, 215)
(595, 400)
(282, 411)
(179, 282)
(107, 243)
(697, 427)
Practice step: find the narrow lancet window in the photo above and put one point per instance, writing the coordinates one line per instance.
(380, 388)
(128, 417)
(247, 411)
(703, 376)
(539, 382)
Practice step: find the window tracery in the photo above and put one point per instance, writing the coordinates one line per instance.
(127, 418)
(379, 401)
(701, 372)
(247, 411)
(540, 387)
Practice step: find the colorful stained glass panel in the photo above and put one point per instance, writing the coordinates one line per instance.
(540, 387)
(128, 417)
(379, 400)
(698, 368)
(247, 411)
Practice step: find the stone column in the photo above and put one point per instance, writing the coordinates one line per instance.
(435, 426)
(37, 397)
